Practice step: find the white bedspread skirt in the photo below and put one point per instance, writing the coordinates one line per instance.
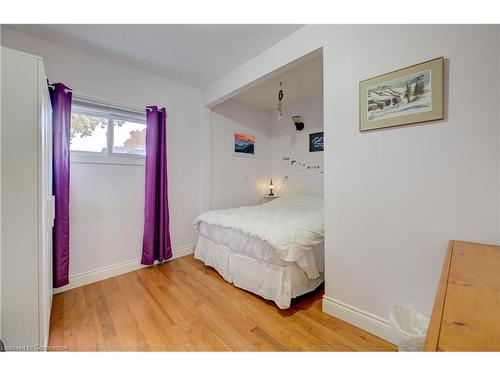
(276, 282)
(312, 262)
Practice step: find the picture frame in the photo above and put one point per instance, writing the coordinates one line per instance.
(243, 144)
(410, 95)
(316, 142)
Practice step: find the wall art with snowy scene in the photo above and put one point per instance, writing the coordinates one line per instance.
(406, 96)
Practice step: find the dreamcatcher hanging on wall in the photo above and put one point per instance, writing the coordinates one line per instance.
(280, 104)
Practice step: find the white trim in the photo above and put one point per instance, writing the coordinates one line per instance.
(92, 100)
(371, 323)
(116, 269)
(206, 162)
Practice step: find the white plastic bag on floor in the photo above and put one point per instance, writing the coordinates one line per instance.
(409, 328)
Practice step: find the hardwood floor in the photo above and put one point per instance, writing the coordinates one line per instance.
(182, 305)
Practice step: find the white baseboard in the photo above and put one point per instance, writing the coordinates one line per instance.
(371, 323)
(116, 269)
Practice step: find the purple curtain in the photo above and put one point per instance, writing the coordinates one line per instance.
(156, 241)
(60, 97)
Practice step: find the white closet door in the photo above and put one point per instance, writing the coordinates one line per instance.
(46, 204)
(20, 226)
(26, 217)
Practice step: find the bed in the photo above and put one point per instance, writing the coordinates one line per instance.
(275, 250)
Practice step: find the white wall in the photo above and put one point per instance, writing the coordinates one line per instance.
(0, 206)
(287, 142)
(395, 197)
(107, 201)
(238, 180)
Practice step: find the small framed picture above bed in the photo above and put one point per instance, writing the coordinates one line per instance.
(244, 145)
(316, 142)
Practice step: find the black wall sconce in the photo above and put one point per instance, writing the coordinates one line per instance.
(299, 123)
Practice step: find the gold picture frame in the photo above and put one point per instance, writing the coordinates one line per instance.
(410, 95)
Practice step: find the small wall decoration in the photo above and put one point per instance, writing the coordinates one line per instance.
(299, 122)
(406, 96)
(316, 142)
(280, 104)
(244, 144)
(302, 167)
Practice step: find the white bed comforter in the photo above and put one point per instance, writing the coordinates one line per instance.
(292, 224)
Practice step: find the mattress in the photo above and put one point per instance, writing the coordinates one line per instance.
(293, 224)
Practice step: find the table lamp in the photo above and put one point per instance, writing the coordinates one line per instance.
(271, 187)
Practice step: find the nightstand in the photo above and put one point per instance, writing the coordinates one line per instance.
(268, 198)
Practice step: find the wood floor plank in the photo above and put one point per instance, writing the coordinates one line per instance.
(84, 322)
(182, 305)
(129, 334)
(69, 327)
(57, 321)
(94, 323)
(158, 328)
(107, 326)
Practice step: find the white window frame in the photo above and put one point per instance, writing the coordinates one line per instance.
(110, 113)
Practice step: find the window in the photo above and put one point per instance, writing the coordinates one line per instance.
(129, 137)
(106, 134)
(88, 133)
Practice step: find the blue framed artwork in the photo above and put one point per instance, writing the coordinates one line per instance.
(316, 142)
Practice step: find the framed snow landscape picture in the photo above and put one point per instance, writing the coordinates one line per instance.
(406, 96)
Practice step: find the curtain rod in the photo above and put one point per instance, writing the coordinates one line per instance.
(108, 103)
(66, 90)
(95, 100)
(160, 109)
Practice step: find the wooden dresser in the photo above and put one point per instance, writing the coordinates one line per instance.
(466, 315)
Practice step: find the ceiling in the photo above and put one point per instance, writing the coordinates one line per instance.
(195, 54)
(302, 81)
